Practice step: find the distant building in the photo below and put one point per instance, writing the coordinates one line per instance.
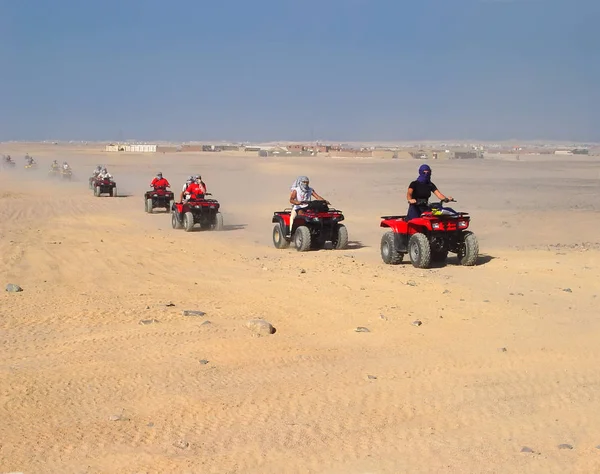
(131, 148)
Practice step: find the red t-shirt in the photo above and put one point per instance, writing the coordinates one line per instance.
(159, 183)
(196, 191)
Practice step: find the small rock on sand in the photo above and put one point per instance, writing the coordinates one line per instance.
(416, 323)
(260, 327)
(189, 312)
(13, 288)
(145, 322)
(565, 446)
(526, 449)
(362, 329)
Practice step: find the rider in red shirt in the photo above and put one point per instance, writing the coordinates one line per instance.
(196, 190)
(160, 182)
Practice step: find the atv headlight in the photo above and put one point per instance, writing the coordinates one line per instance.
(462, 223)
(155, 195)
(435, 225)
(315, 219)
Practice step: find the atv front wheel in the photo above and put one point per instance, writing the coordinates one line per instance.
(218, 225)
(113, 192)
(340, 240)
(469, 250)
(389, 252)
(302, 238)
(188, 221)
(279, 240)
(149, 206)
(97, 191)
(175, 223)
(419, 250)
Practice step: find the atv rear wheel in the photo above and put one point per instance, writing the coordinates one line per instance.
(171, 202)
(188, 221)
(149, 206)
(389, 252)
(279, 240)
(469, 250)
(302, 238)
(175, 223)
(340, 241)
(419, 250)
(218, 225)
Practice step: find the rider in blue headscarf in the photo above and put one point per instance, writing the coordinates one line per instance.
(419, 192)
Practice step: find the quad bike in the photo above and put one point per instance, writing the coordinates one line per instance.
(203, 211)
(54, 172)
(429, 238)
(104, 186)
(317, 224)
(66, 174)
(159, 197)
(31, 166)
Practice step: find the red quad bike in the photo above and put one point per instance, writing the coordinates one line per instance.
(205, 212)
(311, 230)
(429, 238)
(104, 186)
(159, 197)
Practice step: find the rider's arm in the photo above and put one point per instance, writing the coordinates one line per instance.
(317, 197)
(409, 197)
(441, 196)
(294, 198)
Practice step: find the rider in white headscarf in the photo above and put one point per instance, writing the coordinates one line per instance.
(301, 193)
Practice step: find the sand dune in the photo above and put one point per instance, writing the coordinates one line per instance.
(442, 397)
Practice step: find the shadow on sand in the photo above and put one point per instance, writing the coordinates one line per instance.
(482, 259)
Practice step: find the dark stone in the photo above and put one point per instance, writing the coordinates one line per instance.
(260, 327)
(526, 449)
(565, 446)
(188, 312)
(361, 329)
(416, 323)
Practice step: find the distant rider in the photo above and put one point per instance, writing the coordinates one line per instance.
(55, 166)
(301, 194)
(159, 182)
(419, 192)
(104, 174)
(66, 166)
(30, 160)
(97, 171)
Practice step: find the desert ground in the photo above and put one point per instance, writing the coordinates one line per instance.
(502, 371)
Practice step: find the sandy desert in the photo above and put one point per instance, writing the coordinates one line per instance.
(501, 376)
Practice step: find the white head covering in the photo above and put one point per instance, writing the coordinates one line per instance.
(299, 183)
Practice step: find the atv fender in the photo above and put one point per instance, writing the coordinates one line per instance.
(279, 220)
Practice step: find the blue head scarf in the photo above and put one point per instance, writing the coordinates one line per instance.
(424, 177)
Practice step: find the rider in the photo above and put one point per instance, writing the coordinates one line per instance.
(104, 174)
(160, 182)
(419, 192)
(97, 171)
(66, 166)
(54, 166)
(196, 190)
(30, 160)
(301, 193)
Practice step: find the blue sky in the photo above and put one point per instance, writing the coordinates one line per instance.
(341, 70)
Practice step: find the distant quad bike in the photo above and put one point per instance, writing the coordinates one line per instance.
(311, 230)
(186, 214)
(429, 238)
(104, 186)
(66, 174)
(31, 166)
(159, 197)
